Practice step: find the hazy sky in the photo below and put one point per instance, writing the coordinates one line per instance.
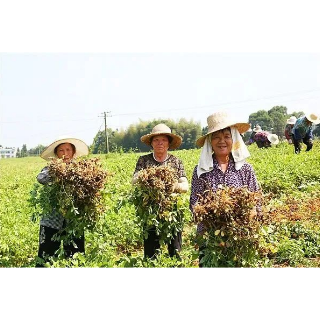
(46, 95)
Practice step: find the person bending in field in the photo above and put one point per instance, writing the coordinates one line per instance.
(302, 131)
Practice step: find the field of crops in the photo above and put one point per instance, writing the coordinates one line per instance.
(291, 183)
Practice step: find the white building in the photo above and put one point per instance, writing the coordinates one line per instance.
(8, 152)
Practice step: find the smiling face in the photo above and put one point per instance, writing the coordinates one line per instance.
(65, 151)
(221, 142)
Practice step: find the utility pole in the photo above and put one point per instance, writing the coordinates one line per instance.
(106, 136)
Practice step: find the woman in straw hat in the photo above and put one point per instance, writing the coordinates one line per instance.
(288, 129)
(63, 148)
(302, 131)
(222, 160)
(161, 140)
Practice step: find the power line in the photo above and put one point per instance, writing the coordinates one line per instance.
(224, 103)
(181, 109)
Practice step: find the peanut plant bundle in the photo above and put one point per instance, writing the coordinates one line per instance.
(228, 210)
(75, 191)
(156, 203)
(231, 223)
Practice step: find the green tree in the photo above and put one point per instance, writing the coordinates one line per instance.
(18, 155)
(279, 116)
(24, 151)
(129, 139)
(297, 114)
(261, 118)
(36, 151)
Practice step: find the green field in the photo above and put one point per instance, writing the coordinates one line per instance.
(292, 183)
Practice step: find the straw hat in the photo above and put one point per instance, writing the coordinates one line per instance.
(273, 138)
(313, 118)
(221, 120)
(161, 128)
(257, 128)
(81, 148)
(292, 120)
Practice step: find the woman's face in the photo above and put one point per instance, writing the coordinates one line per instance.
(222, 142)
(160, 143)
(65, 152)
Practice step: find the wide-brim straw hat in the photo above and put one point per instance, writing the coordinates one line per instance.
(219, 121)
(159, 129)
(81, 148)
(313, 118)
(292, 120)
(273, 138)
(257, 129)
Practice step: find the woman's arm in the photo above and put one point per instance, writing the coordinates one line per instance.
(44, 177)
(197, 187)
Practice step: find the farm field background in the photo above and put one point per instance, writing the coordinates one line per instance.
(292, 183)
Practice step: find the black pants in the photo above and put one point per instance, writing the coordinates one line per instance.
(152, 244)
(48, 247)
(297, 144)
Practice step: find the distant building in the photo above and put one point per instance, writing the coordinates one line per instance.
(8, 152)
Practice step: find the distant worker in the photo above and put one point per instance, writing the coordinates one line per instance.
(302, 131)
(255, 130)
(264, 139)
(288, 129)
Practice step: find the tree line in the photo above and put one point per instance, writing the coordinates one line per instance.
(128, 140)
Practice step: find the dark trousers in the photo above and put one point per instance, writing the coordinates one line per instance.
(297, 144)
(152, 244)
(48, 247)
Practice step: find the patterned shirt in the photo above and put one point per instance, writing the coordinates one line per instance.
(302, 129)
(54, 219)
(245, 176)
(148, 160)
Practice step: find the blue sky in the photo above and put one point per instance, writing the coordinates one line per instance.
(45, 95)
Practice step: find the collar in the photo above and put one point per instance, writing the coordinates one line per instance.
(158, 160)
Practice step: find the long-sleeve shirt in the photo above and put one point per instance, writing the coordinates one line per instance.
(52, 219)
(245, 176)
(302, 129)
(288, 131)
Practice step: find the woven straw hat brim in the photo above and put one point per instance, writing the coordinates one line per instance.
(176, 140)
(81, 148)
(313, 118)
(242, 127)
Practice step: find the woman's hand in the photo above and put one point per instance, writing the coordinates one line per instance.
(181, 185)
